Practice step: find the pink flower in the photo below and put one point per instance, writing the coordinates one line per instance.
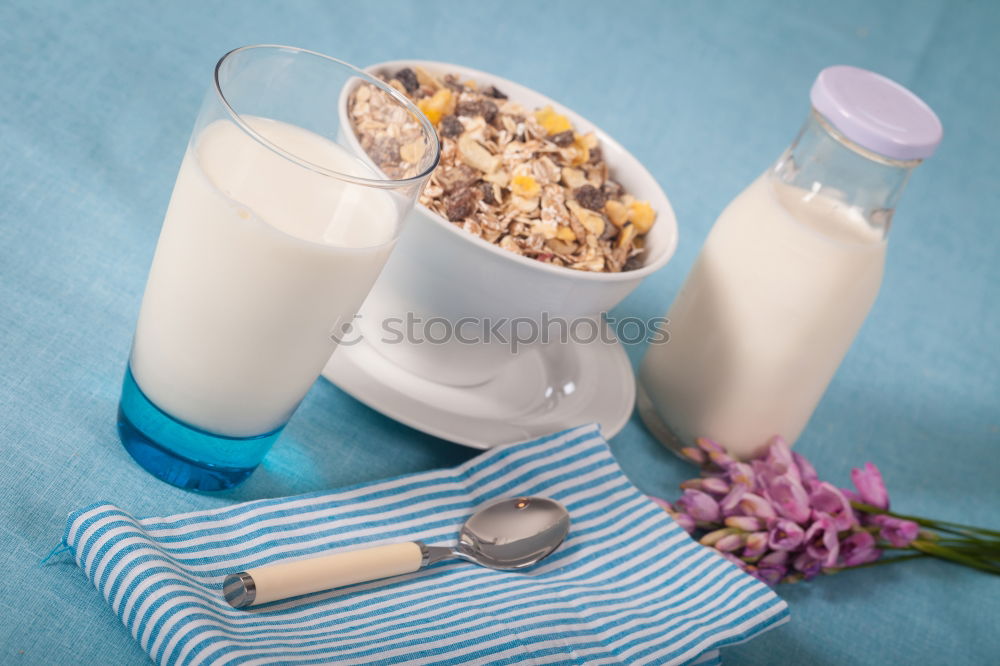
(779, 458)
(713, 537)
(775, 557)
(714, 486)
(699, 505)
(808, 565)
(859, 548)
(752, 504)
(722, 459)
(685, 521)
(729, 505)
(827, 498)
(789, 498)
(785, 535)
(850, 495)
(870, 486)
(697, 456)
(745, 523)
(775, 519)
(770, 574)
(821, 541)
(762, 473)
(773, 567)
(728, 543)
(898, 532)
(708, 446)
(806, 470)
(682, 519)
(742, 474)
(715, 452)
(756, 545)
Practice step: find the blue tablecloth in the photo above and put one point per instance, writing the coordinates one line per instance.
(96, 103)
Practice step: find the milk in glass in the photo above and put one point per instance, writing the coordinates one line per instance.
(256, 253)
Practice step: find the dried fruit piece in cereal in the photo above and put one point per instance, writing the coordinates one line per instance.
(562, 138)
(494, 93)
(437, 105)
(461, 204)
(579, 151)
(451, 127)
(616, 212)
(633, 263)
(490, 192)
(589, 197)
(485, 108)
(451, 81)
(642, 215)
(552, 122)
(456, 177)
(523, 185)
(408, 78)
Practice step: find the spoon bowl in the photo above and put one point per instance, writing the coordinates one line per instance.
(513, 533)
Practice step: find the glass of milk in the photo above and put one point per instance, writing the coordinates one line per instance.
(277, 228)
(788, 273)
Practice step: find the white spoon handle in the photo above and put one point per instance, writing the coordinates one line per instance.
(290, 579)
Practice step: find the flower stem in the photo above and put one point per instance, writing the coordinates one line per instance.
(957, 528)
(943, 552)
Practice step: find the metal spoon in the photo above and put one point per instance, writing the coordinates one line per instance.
(504, 534)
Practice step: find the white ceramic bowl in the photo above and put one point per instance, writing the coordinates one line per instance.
(438, 270)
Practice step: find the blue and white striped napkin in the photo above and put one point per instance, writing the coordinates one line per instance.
(627, 586)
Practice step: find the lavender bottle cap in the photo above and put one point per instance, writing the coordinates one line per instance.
(876, 113)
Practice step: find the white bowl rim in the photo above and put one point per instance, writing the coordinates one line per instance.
(666, 215)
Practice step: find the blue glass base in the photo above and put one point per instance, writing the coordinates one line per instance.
(180, 454)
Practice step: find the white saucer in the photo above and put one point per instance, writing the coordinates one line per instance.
(538, 393)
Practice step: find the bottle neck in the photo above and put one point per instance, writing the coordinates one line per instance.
(822, 161)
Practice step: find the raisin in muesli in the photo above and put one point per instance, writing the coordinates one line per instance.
(590, 197)
(461, 204)
(408, 78)
(451, 127)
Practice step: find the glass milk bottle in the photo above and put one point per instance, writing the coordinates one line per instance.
(789, 272)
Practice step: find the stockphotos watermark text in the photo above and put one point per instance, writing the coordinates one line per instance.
(515, 332)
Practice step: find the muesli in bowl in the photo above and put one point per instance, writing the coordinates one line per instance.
(443, 277)
(522, 178)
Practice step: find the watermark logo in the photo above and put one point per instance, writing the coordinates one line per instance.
(515, 332)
